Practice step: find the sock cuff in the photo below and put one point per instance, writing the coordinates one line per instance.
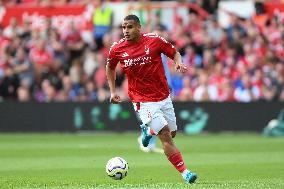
(152, 132)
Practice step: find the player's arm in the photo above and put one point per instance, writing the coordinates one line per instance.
(179, 66)
(111, 76)
(170, 51)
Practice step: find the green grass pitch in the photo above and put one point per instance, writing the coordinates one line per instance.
(75, 161)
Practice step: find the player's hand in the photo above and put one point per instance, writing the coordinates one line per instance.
(180, 67)
(115, 99)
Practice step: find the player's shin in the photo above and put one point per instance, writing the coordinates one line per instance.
(177, 161)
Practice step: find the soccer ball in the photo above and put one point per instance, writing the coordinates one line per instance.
(117, 168)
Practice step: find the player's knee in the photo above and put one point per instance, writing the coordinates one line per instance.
(165, 135)
(165, 131)
(173, 133)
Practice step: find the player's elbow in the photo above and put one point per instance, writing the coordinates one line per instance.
(110, 68)
(177, 55)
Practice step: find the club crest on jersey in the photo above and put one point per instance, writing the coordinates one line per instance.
(125, 54)
(147, 50)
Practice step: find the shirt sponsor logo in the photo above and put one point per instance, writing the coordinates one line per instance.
(137, 61)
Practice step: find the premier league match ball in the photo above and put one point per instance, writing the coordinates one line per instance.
(117, 168)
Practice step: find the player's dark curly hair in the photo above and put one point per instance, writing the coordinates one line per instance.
(132, 17)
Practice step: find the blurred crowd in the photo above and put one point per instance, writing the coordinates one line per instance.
(46, 2)
(241, 63)
(59, 2)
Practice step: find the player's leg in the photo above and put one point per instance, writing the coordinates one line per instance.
(173, 134)
(146, 134)
(142, 148)
(169, 115)
(174, 155)
(171, 151)
(152, 147)
(150, 132)
(167, 142)
(145, 111)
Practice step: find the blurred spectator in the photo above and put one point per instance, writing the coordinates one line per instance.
(107, 42)
(46, 93)
(243, 62)
(23, 94)
(91, 91)
(42, 60)
(8, 81)
(210, 5)
(186, 92)
(215, 32)
(205, 91)
(23, 68)
(77, 77)
(157, 22)
(29, 2)
(191, 58)
(89, 62)
(67, 92)
(99, 74)
(246, 92)
(13, 29)
(103, 95)
(102, 21)
(26, 34)
(74, 43)
(56, 45)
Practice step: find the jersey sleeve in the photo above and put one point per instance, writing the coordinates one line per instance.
(112, 60)
(166, 47)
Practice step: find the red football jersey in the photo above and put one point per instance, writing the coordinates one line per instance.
(142, 64)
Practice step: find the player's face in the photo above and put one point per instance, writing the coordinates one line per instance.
(131, 30)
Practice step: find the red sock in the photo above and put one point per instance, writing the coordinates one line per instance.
(177, 161)
(152, 132)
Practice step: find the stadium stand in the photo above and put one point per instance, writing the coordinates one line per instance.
(243, 62)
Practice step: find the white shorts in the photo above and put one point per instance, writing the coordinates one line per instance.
(157, 114)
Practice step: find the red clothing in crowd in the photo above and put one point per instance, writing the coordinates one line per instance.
(41, 57)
